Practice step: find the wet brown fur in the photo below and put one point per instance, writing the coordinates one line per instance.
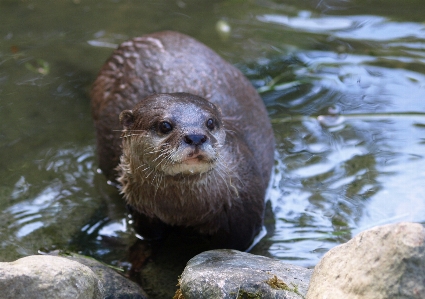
(166, 70)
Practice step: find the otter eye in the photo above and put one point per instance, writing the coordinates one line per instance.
(210, 124)
(165, 127)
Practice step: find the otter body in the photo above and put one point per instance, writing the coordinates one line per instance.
(187, 137)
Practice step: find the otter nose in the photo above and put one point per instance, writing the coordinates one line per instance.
(195, 139)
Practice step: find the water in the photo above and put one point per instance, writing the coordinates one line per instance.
(343, 81)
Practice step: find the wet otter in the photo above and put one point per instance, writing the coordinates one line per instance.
(196, 143)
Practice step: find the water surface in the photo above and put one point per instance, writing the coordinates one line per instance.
(343, 81)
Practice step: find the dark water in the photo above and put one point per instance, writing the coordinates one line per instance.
(344, 83)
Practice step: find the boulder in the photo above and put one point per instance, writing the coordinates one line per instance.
(234, 274)
(383, 262)
(42, 276)
(115, 286)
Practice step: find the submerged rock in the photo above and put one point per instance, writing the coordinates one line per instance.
(383, 262)
(234, 274)
(41, 276)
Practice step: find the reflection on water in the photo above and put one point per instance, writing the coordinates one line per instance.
(306, 22)
(343, 81)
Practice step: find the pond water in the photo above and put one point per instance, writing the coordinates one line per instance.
(343, 81)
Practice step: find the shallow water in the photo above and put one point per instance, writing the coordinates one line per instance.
(343, 81)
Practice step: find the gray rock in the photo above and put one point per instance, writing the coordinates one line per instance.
(234, 274)
(383, 262)
(41, 276)
(115, 286)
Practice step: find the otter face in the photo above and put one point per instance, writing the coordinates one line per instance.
(174, 133)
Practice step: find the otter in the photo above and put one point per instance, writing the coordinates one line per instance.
(186, 136)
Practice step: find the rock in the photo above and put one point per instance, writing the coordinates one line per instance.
(115, 286)
(42, 276)
(383, 262)
(234, 274)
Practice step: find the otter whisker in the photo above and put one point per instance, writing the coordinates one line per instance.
(129, 130)
(223, 178)
(160, 156)
(144, 169)
(150, 172)
(230, 131)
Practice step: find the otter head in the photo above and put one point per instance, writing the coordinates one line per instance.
(177, 133)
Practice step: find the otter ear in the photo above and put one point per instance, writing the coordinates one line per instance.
(126, 118)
